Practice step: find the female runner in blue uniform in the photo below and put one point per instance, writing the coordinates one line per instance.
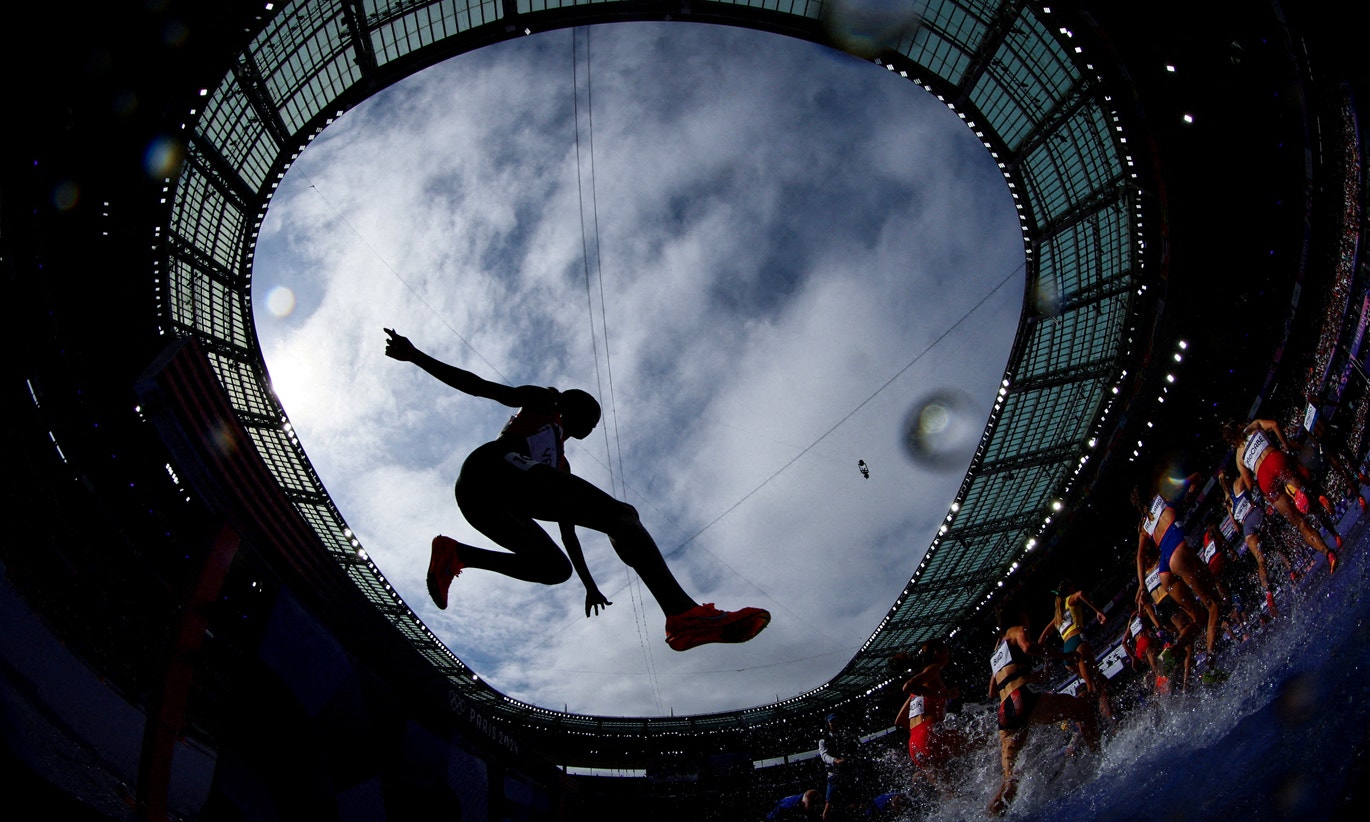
(1178, 563)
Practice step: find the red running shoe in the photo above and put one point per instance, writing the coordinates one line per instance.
(1270, 604)
(1331, 562)
(444, 565)
(703, 624)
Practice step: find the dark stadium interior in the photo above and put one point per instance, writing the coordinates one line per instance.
(106, 550)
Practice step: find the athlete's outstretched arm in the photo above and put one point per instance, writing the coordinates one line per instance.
(1051, 626)
(594, 600)
(1242, 470)
(1144, 603)
(1097, 613)
(1226, 484)
(901, 720)
(1019, 636)
(399, 347)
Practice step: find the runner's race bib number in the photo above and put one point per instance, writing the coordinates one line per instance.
(1001, 657)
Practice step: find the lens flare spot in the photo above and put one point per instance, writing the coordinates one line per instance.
(162, 158)
(939, 431)
(1047, 298)
(65, 195)
(1173, 484)
(280, 301)
(869, 28)
(175, 33)
(124, 103)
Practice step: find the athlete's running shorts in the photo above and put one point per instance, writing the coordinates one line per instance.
(1172, 539)
(1272, 473)
(1015, 709)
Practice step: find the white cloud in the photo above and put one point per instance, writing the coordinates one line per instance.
(781, 231)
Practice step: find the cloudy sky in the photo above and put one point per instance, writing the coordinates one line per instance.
(760, 255)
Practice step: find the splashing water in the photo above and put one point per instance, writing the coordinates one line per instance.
(1283, 737)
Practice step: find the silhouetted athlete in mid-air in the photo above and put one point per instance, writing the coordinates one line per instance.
(523, 476)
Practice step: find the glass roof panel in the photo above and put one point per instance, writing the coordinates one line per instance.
(1001, 65)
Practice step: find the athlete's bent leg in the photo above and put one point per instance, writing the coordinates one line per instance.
(1200, 581)
(533, 555)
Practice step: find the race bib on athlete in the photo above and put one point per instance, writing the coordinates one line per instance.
(1067, 622)
(1310, 418)
(1209, 550)
(1153, 583)
(1135, 626)
(916, 707)
(1002, 657)
(542, 446)
(1153, 517)
(1242, 509)
(519, 461)
(1256, 444)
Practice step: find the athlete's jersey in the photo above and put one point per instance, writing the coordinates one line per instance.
(926, 708)
(1070, 615)
(1153, 583)
(1066, 625)
(1010, 667)
(1001, 658)
(538, 435)
(1209, 550)
(1256, 445)
(1153, 516)
(1241, 506)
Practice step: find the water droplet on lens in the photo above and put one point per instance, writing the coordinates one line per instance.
(65, 195)
(1048, 298)
(869, 28)
(280, 301)
(163, 157)
(939, 431)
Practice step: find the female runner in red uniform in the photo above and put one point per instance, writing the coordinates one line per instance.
(1263, 465)
(931, 744)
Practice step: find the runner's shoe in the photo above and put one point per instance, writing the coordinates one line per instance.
(1270, 604)
(444, 564)
(1332, 561)
(1213, 676)
(703, 624)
